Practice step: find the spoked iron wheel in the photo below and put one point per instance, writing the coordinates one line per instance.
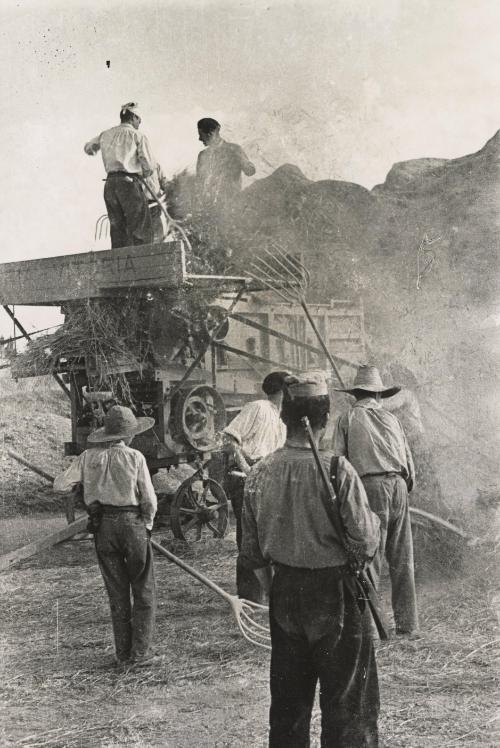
(199, 509)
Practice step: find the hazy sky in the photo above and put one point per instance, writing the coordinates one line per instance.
(342, 88)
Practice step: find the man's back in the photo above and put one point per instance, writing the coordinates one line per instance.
(373, 440)
(375, 443)
(258, 429)
(123, 148)
(283, 495)
(219, 170)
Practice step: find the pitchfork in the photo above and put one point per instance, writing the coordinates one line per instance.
(101, 227)
(254, 632)
(287, 277)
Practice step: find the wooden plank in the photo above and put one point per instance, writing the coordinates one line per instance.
(254, 357)
(288, 338)
(52, 280)
(9, 559)
(22, 461)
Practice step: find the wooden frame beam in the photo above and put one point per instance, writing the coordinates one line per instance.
(13, 557)
(287, 338)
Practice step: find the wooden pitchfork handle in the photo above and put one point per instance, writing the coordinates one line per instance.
(320, 340)
(252, 631)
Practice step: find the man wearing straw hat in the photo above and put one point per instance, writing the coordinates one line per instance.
(317, 630)
(374, 442)
(127, 159)
(122, 504)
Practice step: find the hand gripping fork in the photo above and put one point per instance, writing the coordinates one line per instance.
(287, 277)
(253, 632)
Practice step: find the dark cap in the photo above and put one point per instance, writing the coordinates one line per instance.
(207, 124)
(274, 382)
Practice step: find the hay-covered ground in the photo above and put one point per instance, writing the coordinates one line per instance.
(209, 688)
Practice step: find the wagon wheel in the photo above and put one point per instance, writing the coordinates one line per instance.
(199, 508)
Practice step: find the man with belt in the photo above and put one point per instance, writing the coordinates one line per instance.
(255, 432)
(317, 630)
(122, 503)
(374, 442)
(127, 156)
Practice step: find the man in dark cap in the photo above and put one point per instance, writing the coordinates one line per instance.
(317, 631)
(373, 440)
(127, 159)
(220, 166)
(255, 432)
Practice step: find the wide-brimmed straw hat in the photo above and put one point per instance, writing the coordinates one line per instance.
(368, 378)
(120, 423)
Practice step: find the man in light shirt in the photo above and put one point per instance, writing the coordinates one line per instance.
(374, 442)
(127, 157)
(219, 166)
(315, 613)
(254, 433)
(122, 504)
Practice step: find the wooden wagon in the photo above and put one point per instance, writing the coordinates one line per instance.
(177, 380)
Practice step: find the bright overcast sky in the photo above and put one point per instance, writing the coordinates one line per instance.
(342, 88)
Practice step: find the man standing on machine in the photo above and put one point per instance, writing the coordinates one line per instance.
(127, 159)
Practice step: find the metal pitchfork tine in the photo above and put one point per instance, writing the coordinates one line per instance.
(287, 277)
(100, 226)
(253, 632)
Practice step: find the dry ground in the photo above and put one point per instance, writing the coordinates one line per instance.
(210, 688)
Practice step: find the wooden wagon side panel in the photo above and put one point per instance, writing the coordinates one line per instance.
(53, 280)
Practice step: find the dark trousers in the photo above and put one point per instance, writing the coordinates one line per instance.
(388, 498)
(247, 584)
(317, 634)
(126, 561)
(128, 212)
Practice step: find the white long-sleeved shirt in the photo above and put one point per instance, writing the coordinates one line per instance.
(258, 429)
(123, 148)
(373, 441)
(116, 475)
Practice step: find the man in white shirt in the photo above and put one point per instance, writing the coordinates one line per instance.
(122, 504)
(127, 157)
(255, 432)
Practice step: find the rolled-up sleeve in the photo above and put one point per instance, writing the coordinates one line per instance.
(362, 526)
(147, 495)
(246, 165)
(250, 554)
(93, 146)
(243, 424)
(145, 156)
(64, 482)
